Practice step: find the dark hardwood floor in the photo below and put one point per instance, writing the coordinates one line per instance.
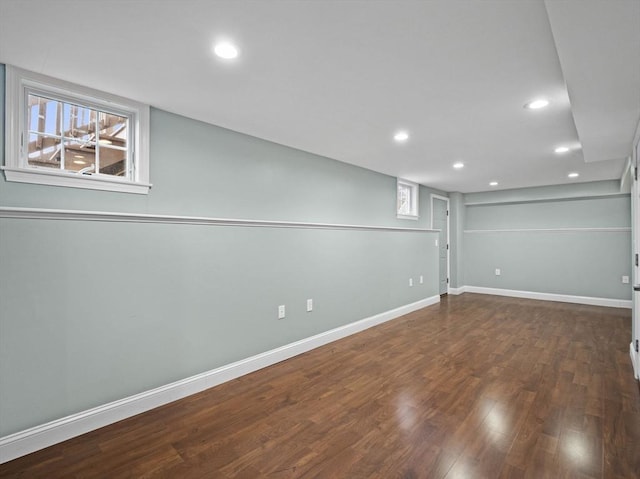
(476, 387)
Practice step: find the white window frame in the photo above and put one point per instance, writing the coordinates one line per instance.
(415, 199)
(16, 168)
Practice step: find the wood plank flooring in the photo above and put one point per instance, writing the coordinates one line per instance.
(475, 387)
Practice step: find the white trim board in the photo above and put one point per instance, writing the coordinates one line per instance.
(563, 298)
(109, 216)
(635, 361)
(39, 437)
(456, 291)
(620, 229)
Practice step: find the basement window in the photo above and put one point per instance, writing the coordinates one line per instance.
(407, 200)
(62, 134)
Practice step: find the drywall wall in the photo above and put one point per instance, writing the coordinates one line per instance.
(562, 240)
(95, 311)
(200, 170)
(457, 219)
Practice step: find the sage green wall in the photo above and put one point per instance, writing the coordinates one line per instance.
(90, 318)
(604, 212)
(457, 220)
(573, 258)
(92, 312)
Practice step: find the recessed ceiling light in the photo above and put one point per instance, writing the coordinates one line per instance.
(561, 149)
(104, 142)
(78, 156)
(401, 136)
(458, 165)
(225, 50)
(573, 175)
(493, 183)
(79, 162)
(537, 104)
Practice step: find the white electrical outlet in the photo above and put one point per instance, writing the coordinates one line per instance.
(625, 279)
(410, 281)
(281, 311)
(498, 272)
(309, 305)
(421, 279)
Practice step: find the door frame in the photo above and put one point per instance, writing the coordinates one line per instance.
(446, 200)
(635, 227)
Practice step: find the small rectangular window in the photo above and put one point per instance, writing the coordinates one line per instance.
(407, 200)
(75, 138)
(67, 135)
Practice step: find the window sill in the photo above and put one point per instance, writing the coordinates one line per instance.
(408, 217)
(72, 180)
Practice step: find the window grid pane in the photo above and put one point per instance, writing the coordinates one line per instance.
(44, 151)
(404, 199)
(75, 138)
(407, 199)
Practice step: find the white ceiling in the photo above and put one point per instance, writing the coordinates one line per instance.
(338, 78)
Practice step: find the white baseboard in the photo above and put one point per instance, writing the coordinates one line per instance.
(457, 291)
(39, 437)
(635, 361)
(564, 298)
